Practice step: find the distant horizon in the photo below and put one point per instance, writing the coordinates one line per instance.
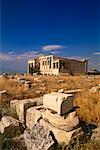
(61, 27)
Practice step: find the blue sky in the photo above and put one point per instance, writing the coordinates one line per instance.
(69, 28)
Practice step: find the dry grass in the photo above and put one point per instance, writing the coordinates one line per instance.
(89, 106)
(92, 145)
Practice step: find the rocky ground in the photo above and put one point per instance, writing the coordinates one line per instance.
(26, 124)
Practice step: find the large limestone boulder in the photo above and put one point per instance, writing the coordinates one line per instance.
(10, 127)
(38, 138)
(60, 135)
(22, 105)
(67, 123)
(33, 115)
(59, 102)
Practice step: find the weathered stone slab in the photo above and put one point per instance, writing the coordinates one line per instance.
(59, 102)
(10, 127)
(67, 123)
(38, 100)
(33, 114)
(73, 91)
(61, 91)
(22, 105)
(8, 120)
(38, 138)
(60, 135)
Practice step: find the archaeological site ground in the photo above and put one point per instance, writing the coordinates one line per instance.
(47, 112)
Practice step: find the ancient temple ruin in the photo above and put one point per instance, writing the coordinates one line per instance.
(54, 65)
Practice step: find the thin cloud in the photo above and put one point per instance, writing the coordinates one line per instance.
(24, 56)
(6, 57)
(10, 62)
(52, 47)
(96, 53)
(28, 55)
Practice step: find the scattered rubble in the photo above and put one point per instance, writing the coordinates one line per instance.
(48, 119)
(63, 127)
(22, 81)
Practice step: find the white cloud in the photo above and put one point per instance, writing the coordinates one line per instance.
(10, 62)
(52, 47)
(96, 53)
(24, 56)
(28, 55)
(6, 57)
